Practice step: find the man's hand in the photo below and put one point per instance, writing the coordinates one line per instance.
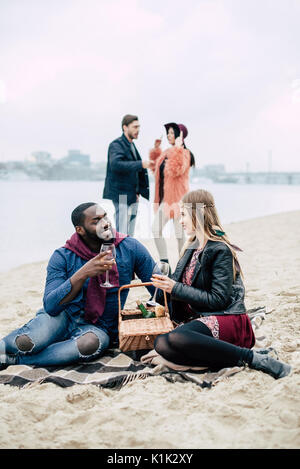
(98, 265)
(146, 164)
(163, 282)
(93, 267)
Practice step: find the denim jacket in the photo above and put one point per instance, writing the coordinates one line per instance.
(131, 257)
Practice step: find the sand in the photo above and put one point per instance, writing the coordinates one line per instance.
(247, 410)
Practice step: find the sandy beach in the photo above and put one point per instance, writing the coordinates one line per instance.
(247, 410)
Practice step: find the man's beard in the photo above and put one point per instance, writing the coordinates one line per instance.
(93, 238)
(133, 137)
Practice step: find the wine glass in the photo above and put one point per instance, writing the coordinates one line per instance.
(111, 254)
(160, 268)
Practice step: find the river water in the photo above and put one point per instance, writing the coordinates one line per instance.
(35, 215)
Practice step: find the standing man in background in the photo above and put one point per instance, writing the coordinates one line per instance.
(126, 176)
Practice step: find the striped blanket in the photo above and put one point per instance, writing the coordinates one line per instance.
(113, 370)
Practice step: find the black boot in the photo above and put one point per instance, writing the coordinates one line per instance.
(275, 368)
(269, 350)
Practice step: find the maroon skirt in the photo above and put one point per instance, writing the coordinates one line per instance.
(234, 328)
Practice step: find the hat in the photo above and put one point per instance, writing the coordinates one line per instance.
(180, 127)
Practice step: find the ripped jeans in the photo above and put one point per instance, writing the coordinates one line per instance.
(53, 340)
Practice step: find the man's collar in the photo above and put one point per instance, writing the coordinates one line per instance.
(126, 139)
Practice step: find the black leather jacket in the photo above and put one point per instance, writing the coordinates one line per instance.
(213, 290)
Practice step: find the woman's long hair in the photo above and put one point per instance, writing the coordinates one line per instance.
(177, 134)
(200, 205)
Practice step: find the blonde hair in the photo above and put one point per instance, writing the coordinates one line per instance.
(200, 205)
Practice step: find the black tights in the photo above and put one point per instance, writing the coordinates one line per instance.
(193, 344)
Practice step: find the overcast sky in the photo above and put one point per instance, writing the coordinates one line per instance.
(228, 69)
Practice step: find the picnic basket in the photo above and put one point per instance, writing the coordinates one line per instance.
(136, 332)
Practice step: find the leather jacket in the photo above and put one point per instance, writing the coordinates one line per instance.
(213, 290)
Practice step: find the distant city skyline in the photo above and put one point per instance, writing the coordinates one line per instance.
(228, 69)
(77, 166)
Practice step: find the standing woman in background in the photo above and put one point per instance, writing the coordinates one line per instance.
(171, 169)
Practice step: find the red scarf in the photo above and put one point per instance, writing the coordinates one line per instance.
(96, 295)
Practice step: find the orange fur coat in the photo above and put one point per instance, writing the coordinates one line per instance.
(176, 177)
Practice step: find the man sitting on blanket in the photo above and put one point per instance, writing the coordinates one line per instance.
(79, 320)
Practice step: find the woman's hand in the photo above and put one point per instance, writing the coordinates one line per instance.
(157, 142)
(163, 282)
(152, 166)
(179, 140)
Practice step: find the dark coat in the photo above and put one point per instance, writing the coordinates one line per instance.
(124, 173)
(213, 290)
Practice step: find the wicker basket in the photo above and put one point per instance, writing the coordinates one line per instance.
(136, 332)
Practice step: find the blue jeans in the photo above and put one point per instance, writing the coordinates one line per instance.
(54, 340)
(125, 216)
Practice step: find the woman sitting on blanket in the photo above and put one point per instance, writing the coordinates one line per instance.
(207, 297)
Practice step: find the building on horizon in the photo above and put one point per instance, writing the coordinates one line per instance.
(76, 158)
(40, 157)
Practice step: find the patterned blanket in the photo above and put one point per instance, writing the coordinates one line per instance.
(114, 370)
